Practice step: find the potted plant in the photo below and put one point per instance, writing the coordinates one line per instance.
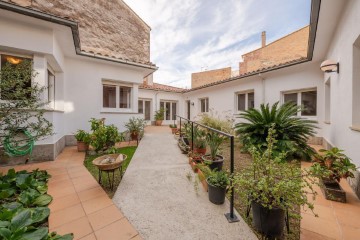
(159, 116)
(173, 128)
(272, 186)
(184, 143)
(214, 159)
(135, 126)
(331, 166)
(83, 139)
(217, 182)
(198, 140)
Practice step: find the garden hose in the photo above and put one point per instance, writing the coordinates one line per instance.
(14, 150)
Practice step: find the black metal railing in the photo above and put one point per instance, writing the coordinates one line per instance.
(231, 217)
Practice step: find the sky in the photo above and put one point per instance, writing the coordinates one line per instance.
(195, 35)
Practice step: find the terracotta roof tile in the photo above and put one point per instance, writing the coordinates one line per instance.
(247, 74)
(162, 87)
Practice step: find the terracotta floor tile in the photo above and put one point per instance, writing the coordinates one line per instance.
(64, 202)
(121, 229)
(323, 212)
(320, 226)
(347, 217)
(104, 217)
(308, 235)
(60, 177)
(350, 233)
(96, 204)
(76, 169)
(80, 228)
(60, 184)
(79, 173)
(91, 194)
(65, 216)
(57, 171)
(89, 237)
(85, 185)
(137, 237)
(83, 179)
(61, 192)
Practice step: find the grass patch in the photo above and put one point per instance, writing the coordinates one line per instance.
(129, 151)
(241, 161)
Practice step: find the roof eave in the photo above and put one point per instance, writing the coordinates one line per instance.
(74, 29)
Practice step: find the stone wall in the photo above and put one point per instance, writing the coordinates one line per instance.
(201, 78)
(285, 49)
(109, 28)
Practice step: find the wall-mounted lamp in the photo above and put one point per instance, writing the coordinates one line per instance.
(192, 103)
(329, 66)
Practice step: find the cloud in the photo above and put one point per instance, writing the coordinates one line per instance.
(190, 35)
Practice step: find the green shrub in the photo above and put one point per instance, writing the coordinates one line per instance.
(23, 210)
(273, 182)
(135, 125)
(104, 136)
(212, 119)
(293, 132)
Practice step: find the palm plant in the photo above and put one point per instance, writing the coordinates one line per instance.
(292, 131)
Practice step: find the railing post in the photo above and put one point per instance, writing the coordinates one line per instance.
(231, 217)
(192, 136)
(180, 128)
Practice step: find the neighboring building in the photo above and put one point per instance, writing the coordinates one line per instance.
(288, 48)
(201, 78)
(94, 55)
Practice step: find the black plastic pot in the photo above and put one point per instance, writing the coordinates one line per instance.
(269, 222)
(216, 194)
(218, 164)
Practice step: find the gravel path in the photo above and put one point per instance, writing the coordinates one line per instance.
(160, 201)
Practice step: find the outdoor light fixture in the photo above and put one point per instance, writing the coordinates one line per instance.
(329, 66)
(192, 103)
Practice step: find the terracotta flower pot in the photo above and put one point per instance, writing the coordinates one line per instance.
(200, 150)
(134, 136)
(82, 147)
(174, 130)
(158, 122)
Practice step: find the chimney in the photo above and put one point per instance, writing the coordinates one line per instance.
(263, 39)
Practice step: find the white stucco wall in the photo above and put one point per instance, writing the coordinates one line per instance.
(344, 100)
(157, 96)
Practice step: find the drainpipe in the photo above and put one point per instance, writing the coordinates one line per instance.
(263, 87)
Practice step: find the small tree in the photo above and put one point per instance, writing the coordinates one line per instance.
(21, 104)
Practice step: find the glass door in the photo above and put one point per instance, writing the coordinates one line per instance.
(170, 108)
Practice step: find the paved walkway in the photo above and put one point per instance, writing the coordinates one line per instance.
(80, 205)
(158, 199)
(336, 220)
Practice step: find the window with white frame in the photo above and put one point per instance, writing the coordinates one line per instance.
(245, 101)
(51, 88)
(116, 96)
(307, 99)
(170, 109)
(9, 60)
(144, 108)
(356, 86)
(204, 105)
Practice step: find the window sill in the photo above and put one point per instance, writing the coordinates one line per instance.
(327, 122)
(118, 111)
(355, 128)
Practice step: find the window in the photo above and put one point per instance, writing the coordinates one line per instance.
(327, 101)
(204, 105)
(170, 108)
(109, 96)
(51, 89)
(356, 86)
(125, 97)
(11, 85)
(116, 96)
(144, 108)
(307, 99)
(245, 101)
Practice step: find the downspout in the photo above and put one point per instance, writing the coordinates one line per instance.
(263, 87)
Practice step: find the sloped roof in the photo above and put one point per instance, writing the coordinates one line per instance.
(106, 28)
(248, 74)
(161, 87)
